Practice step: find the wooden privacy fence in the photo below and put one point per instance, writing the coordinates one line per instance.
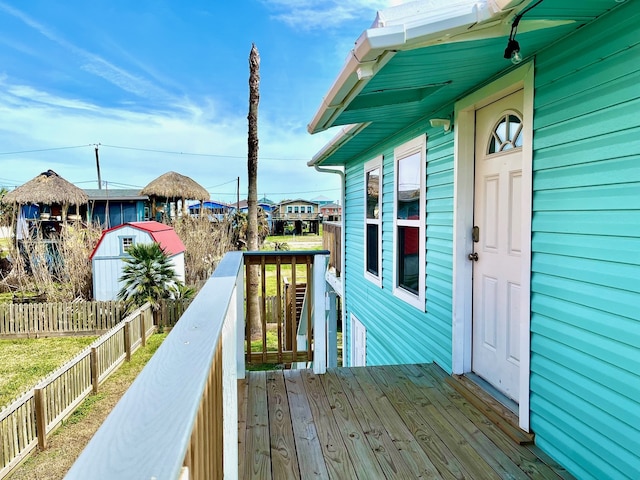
(170, 312)
(332, 241)
(53, 319)
(26, 422)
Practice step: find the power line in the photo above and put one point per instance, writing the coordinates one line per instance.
(215, 155)
(44, 149)
(152, 150)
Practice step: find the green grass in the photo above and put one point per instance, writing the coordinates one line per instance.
(126, 373)
(308, 237)
(6, 297)
(23, 362)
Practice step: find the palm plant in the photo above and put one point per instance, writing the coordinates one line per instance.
(148, 276)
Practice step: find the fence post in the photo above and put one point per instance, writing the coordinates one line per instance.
(39, 395)
(95, 374)
(143, 332)
(127, 340)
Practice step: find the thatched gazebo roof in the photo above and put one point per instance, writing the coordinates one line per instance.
(47, 188)
(174, 185)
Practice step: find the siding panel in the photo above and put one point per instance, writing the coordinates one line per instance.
(397, 332)
(585, 356)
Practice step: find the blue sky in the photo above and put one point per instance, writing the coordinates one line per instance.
(152, 78)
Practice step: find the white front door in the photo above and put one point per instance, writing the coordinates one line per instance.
(497, 267)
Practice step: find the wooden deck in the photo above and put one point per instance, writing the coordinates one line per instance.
(399, 422)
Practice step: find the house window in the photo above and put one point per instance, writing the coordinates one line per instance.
(373, 221)
(289, 209)
(506, 135)
(125, 244)
(409, 222)
(296, 209)
(309, 209)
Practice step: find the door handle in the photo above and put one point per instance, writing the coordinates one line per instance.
(473, 256)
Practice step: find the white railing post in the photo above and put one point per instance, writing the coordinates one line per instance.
(332, 329)
(240, 323)
(319, 314)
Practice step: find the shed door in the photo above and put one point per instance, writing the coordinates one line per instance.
(497, 267)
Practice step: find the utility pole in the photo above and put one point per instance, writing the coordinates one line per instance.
(98, 167)
(238, 196)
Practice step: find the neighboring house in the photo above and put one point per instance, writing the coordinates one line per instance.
(215, 210)
(331, 212)
(113, 207)
(107, 258)
(296, 213)
(322, 200)
(265, 204)
(492, 211)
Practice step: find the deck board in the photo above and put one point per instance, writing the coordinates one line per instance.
(284, 458)
(372, 423)
(333, 447)
(310, 456)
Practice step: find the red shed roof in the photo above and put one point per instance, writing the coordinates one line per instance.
(162, 234)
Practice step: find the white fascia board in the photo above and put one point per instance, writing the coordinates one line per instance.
(343, 136)
(400, 28)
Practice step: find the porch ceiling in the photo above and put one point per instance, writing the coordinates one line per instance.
(418, 78)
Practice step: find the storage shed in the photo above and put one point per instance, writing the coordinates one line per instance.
(107, 259)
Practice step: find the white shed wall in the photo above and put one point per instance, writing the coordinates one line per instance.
(107, 263)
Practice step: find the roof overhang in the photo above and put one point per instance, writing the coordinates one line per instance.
(419, 57)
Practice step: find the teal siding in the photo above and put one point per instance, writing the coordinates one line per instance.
(396, 331)
(585, 319)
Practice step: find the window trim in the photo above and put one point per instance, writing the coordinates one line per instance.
(416, 145)
(121, 239)
(368, 167)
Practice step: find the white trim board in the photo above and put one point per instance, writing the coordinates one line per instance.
(520, 78)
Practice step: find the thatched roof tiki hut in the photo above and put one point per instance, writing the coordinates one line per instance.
(49, 188)
(172, 186)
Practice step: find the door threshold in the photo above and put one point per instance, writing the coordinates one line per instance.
(494, 393)
(496, 411)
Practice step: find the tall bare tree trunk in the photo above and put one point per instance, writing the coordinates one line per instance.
(253, 280)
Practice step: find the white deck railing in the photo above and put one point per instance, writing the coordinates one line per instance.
(179, 417)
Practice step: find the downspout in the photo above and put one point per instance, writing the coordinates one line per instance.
(342, 229)
(342, 248)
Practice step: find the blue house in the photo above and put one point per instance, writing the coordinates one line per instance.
(113, 207)
(265, 204)
(490, 161)
(214, 209)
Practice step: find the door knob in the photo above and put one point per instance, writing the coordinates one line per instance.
(473, 256)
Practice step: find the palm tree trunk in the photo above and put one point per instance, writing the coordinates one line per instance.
(253, 280)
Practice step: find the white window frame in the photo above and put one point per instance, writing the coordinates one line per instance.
(123, 248)
(417, 145)
(376, 163)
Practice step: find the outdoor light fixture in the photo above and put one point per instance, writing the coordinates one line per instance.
(512, 51)
(445, 123)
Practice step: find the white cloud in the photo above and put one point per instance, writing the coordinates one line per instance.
(323, 14)
(33, 120)
(93, 63)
